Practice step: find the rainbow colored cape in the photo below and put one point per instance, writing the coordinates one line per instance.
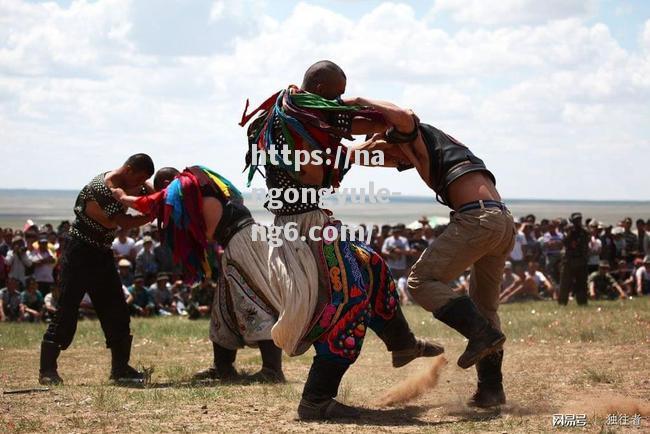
(179, 209)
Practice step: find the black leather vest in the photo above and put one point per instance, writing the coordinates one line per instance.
(449, 159)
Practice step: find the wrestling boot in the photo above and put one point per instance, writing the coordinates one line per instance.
(462, 315)
(403, 345)
(121, 371)
(489, 391)
(321, 387)
(47, 374)
(222, 367)
(271, 371)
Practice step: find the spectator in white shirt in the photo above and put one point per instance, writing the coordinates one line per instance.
(124, 246)
(18, 260)
(517, 253)
(642, 276)
(43, 262)
(595, 247)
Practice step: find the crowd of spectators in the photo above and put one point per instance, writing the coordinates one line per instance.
(617, 258)
(152, 284)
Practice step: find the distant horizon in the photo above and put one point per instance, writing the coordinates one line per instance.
(392, 199)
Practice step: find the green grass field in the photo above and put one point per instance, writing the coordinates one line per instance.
(593, 360)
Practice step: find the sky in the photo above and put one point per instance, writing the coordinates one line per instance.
(554, 96)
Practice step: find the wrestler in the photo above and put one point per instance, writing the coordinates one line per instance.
(244, 306)
(480, 234)
(87, 265)
(331, 291)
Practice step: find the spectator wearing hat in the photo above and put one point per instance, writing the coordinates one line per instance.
(31, 301)
(124, 270)
(162, 295)
(619, 242)
(10, 301)
(642, 276)
(510, 281)
(631, 241)
(595, 247)
(18, 260)
(574, 264)
(145, 261)
(43, 262)
(140, 301)
(602, 284)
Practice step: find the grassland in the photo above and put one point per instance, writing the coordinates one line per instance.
(558, 360)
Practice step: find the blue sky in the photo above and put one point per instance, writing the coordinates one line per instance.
(552, 95)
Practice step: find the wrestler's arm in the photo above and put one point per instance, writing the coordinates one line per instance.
(94, 211)
(401, 119)
(212, 212)
(361, 125)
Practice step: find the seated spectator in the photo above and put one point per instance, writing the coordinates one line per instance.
(510, 281)
(181, 296)
(602, 286)
(31, 301)
(86, 308)
(624, 277)
(201, 299)
(43, 261)
(534, 285)
(124, 270)
(51, 302)
(124, 246)
(517, 253)
(140, 301)
(461, 285)
(162, 295)
(145, 261)
(10, 301)
(642, 276)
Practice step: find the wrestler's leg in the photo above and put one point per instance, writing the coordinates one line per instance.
(322, 387)
(467, 239)
(388, 320)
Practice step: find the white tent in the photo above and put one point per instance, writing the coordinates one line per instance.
(434, 221)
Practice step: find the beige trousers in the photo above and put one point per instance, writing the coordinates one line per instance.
(480, 239)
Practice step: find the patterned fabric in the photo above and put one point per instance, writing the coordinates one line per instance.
(88, 230)
(293, 120)
(363, 295)
(245, 307)
(179, 208)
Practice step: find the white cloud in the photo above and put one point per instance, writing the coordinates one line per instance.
(513, 11)
(97, 80)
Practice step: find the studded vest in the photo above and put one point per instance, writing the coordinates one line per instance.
(88, 230)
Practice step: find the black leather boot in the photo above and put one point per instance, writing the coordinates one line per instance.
(403, 344)
(271, 371)
(48, 374)
(489, 391)
(121, 371)
(222, 366)
(321, 387)
(462, 315)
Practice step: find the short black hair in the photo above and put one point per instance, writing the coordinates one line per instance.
(322, 71)
(140, 163)
(162, 175)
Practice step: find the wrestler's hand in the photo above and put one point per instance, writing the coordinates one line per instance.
(118, 193)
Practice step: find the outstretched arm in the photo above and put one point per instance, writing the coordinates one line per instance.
(401, 119)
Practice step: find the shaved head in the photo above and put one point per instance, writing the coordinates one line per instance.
(324, 78)
(163, 177)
